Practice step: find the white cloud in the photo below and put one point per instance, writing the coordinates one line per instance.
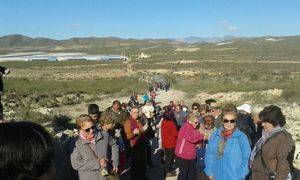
(228, 27)
(231, 28)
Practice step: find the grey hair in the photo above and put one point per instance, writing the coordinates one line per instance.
(257, 109)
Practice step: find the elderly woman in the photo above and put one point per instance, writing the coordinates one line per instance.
(90, 155)
(257, 131)
(228, 151)
(272, 155)
(185, 149)
(135, 134)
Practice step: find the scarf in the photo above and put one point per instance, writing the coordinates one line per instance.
(225, 134)
(134, 125)
(91, 140)
(262, 140)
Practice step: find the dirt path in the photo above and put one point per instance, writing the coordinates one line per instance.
(74, 111)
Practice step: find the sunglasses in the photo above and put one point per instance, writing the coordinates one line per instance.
(88, 129)
(195, 122)
(232, 121)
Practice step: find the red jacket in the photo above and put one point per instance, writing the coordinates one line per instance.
(168, 134)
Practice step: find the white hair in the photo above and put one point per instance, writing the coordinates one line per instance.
(257, 109)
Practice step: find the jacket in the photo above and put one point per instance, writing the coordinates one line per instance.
(186, 142)
(277, 154)
(83, 158)
(168, 133)
(234, 163)
(129, 131)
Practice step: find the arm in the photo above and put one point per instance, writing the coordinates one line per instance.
(210, 154)
(128, 132)
(80, 164)
(114, 151)
(193, 136)
(283, 167)
(245, 148)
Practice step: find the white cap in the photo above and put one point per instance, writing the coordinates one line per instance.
(245, 107)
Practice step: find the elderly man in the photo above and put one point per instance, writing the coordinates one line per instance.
(216, 111)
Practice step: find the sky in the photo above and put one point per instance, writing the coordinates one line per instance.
(62, 19)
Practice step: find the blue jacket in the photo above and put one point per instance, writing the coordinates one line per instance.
(234, 163)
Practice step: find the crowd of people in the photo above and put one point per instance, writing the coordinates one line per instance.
(204, 141)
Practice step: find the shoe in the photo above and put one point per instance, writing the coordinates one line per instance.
(170, 174)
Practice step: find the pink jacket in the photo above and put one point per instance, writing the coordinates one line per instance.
(188, 137)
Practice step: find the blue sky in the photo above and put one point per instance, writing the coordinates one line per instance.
(61, 19)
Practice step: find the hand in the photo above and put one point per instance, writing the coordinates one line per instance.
(103, 162)
(145, 127)
(115, 170)
(117, 133)
(210, 177)
(136, 131)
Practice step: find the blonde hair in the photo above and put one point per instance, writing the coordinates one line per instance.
(235, 114)
(106, 119)
(83, 118)
(192, 117)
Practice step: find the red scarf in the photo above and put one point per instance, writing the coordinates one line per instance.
(227, 133)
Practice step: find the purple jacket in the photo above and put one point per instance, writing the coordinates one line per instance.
(188, 137)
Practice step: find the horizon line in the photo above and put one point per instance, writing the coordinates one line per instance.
(169, 38)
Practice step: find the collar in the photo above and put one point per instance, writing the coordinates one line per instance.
(236, 133)
(98, 136)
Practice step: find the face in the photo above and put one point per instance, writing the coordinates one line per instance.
(194, 122)
(267, 126)
(195, 109)
(110, 126)
(229, 121)
(116, 107)
(87, 129)
(178, 109)
(134, 113)
(94, 117)
(256, 119)
(215, 112)
(202, 113)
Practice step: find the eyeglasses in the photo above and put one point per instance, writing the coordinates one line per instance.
(88, 129)
(232, 121)
(195, 122)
